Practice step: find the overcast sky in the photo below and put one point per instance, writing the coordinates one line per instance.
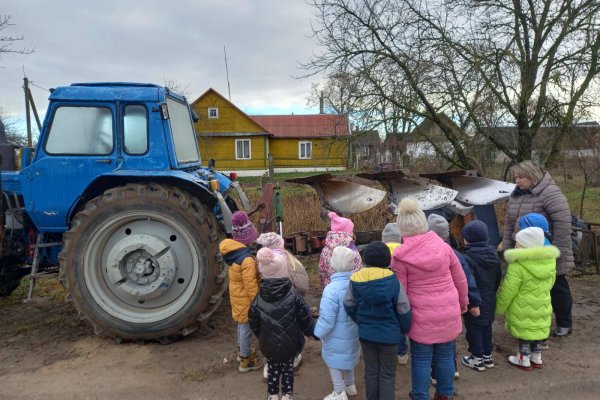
(153, 41)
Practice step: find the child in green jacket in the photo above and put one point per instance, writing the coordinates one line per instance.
(524, 297)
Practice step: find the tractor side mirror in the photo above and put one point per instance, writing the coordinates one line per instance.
(195, 117)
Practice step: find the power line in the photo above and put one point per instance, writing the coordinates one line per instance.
(39, 87)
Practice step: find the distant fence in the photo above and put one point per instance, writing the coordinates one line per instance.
(274, 167)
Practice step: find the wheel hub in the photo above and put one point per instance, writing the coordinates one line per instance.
(141, 266)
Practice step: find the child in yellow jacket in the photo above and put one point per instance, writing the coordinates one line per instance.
(243, 284)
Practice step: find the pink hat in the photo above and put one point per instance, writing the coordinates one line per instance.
(272, 265)
(242, 229)
(340, 224)
(271, 240)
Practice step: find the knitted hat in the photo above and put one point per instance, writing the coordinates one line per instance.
(411, 219)
(272, 265)
(342, 259)
(538, 221)
(271, 240)
(242, 229)
(391, 233)
(340, 224)
(530, 237)
(475, 231)
(439, 225)
(377, 254)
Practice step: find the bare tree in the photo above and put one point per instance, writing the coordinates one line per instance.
(583, 149)
(7, 42)
(12, 131)
(472, 61)
(177, 87)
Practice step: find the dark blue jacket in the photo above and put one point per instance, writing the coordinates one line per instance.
(484, 263)
(376, 301)
(474, 296)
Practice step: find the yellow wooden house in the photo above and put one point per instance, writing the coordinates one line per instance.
(229, 136)
(297, 143)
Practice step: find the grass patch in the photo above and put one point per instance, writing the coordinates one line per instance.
(22, 328)
(201, 374)
(44, 288)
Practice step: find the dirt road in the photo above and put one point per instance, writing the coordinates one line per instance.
(46, 354)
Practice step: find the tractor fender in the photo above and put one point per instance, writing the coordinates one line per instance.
(180, 179)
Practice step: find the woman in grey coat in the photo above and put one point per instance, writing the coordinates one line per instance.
(537, 192)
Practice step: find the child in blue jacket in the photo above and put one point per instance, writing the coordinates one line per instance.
(376, 301)
(338, 333)
(483, 259)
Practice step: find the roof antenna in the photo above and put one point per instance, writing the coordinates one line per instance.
(227, 73)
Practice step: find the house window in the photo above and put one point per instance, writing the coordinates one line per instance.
(242, 149)
(213, 112)
(304, 150)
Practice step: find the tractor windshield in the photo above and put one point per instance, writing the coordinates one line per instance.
(182, 130)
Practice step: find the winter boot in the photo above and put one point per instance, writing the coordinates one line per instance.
(488, 361)
(239, 357)
(287, 396)
(266, 372)
(562, 331)
(438, 396)
(520, 361)
(472, 362)
(297, 361)
(351, 390)
(336, 396)
(536, 359)
(403, 359)
(250, 363)
(272, 397)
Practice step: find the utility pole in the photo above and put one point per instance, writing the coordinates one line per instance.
(227, 73)
(29, 103)
(27, 112)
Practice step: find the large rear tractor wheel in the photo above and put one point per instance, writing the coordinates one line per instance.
(141, 262)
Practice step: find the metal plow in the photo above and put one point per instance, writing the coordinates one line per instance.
(461, 190)
(343, 195)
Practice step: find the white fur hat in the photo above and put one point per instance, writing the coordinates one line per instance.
(342, 259)
(530, 237)
(411, 219)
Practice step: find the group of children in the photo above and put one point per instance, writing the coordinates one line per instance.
(411, 283)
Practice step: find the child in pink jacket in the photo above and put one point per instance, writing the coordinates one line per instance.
(437, 291)
(341, 233)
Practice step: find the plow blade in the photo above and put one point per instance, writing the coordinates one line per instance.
(343, 195)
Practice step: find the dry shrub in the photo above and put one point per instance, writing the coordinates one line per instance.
(302, 210)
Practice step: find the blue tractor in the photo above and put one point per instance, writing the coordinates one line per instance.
(115, 198)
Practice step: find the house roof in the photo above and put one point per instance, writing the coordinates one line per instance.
(366, 138)
(579, 135)
(215, 93)
(304, 126)
(429, 130)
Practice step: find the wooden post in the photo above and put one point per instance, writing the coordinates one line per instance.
(27, 112)
(271, 171)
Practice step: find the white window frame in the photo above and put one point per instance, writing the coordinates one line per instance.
(300, 144)
(237, 155)
(210, 110)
